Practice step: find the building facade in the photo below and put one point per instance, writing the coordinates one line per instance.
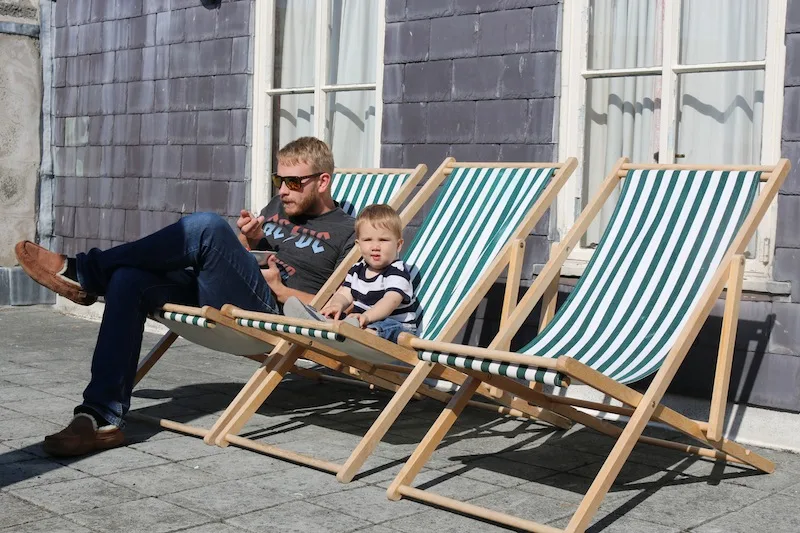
(157, 108)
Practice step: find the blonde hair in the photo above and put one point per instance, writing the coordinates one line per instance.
(310, 151)
(380, 216)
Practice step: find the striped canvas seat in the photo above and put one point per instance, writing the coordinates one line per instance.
(666, 238)
(475, 215)
(353, 191)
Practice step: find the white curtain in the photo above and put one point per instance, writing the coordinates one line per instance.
(351, 114)
(350, 118)
(295, 45)
(719, 113)
(622, 113)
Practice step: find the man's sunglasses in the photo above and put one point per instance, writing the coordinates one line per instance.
(293, 183)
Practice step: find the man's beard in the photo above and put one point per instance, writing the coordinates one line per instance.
(303, 206)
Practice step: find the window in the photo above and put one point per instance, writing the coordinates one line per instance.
(690, 81)
(318, 71)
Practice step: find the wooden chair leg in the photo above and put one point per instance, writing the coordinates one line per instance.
(384, 421)
(155, 354)
(432, 439)
(252, 395)
(513, 277)
(722, 376)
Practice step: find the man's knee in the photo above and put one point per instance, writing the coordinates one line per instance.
(206, 222)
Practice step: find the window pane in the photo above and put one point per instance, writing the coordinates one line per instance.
(350, 128)
(292, 117)
(715, 31)
(720, 116)
(295, 44)
(625, 33)
(622, 116)
(353, 34)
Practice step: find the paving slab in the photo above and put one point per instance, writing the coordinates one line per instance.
(179, 449)
(768, 512)
(52, 409)
(20, 428)
(17, 511)
(76, 495)
(166, 481)
(36, 471)
(299, 517)
(161, 479)
(228, 499)
(239, 464)
(151, 514)
(48, 525)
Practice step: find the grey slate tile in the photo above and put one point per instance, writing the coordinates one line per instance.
(152, 514)
(299, 517)
(76, 495)
(17, 511)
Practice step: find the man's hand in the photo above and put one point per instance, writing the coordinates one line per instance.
(250, 226)
(272, 275)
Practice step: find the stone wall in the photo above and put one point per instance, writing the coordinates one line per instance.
(474, 80)
(20, 111)
(151, 105)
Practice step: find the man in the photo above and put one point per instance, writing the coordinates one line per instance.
(198, 261)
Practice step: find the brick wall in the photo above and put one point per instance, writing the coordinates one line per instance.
(151, 107)
(474, 80)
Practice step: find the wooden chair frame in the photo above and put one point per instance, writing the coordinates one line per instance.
(641, 408)
(286, 353)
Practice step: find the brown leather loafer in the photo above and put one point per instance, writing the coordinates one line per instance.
(47, 268)
(82, 436)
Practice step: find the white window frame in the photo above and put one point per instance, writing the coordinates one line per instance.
(264, 89)
(574, 61)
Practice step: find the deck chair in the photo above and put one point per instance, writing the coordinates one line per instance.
(475, 229)
(675, 240)
(353, 190)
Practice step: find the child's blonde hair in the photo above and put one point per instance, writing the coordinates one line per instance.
(308, 150)
(380, 216)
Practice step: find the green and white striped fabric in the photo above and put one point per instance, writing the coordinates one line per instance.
(354, 192)
(297, 330)
(476, 213)
(183, 318)
(664, 243)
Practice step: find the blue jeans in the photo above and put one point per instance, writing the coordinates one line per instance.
(390, 329)
(195, 261)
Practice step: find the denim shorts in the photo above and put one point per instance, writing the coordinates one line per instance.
(390, 329)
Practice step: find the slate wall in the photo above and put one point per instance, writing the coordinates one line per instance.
(151, 105)
(474, 80)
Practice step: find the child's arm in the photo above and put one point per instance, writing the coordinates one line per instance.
(385, 306)
(340, 301)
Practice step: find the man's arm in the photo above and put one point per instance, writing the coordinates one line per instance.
(282, 293)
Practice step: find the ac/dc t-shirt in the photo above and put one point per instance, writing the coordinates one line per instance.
(309, 248)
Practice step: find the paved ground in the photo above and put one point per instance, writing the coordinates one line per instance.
(163, 481)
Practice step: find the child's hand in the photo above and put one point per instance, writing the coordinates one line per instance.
(332, 310)
(363, 321)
